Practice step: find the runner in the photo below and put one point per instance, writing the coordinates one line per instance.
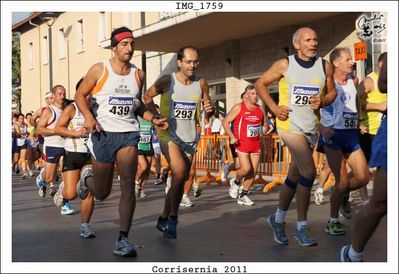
(53, 148)
(303, 79)
(339, 137)
(249, 118)
(181, 95)
(115, 85)
(371, 214)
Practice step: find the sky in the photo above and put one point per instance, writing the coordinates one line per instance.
(19, 16)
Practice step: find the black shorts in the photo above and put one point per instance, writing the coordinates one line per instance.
(146, 152)
(75, 160)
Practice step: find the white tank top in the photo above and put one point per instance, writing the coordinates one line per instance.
(24, 133)
(54, 140)
(76, 144)
(342, 113)
(115, 99)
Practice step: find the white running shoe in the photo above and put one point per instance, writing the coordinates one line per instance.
(244, 200)
(319, 196)
(30, 173)
(86, 232)
(168, 184)
(58, 198)
(66, 209)
(234, 189)
(185, 201)
(197, 190)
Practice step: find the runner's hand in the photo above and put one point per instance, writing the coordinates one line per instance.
(207, 106)
(161, 122)
(315, 102)
(91, 124)
(282, 112)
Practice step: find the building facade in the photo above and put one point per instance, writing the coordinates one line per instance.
(235, 47)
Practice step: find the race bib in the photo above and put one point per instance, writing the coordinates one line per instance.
(122, 106)
(145, 138)
(253, 130)
(349, 120)
(300, 95)
(184, 110)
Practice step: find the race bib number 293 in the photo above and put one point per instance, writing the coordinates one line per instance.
(184, 110)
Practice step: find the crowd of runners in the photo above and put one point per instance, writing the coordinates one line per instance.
(113, 127)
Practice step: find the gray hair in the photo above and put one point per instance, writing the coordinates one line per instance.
(336, 53)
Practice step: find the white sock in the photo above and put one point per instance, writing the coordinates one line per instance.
(280, 216)
(355, 256)
(301, 224)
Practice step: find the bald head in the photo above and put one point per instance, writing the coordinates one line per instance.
(300, 32)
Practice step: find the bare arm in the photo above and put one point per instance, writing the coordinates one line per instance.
(41, 128)
(61, 128)
(160, 86)
(274, 73)
(233, 113)
(17, 131)
(331, 92)
(206, 99)
(34, 117)
(85, 88)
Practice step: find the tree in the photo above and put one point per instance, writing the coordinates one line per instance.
(16, 60)
(16, 70)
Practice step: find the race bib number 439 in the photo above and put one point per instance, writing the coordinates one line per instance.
(120, 106)
(184, 110)
(301, 94)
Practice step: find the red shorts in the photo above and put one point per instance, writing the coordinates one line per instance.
(248, 147)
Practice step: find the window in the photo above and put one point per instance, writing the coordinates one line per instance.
(102, 27)
(45, 52)
(61, 44)
(30, 55)
(80, 36)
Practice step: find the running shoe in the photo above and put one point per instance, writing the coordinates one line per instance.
(86, 232)
(335, 228)
(161, 224)
(304, 238)
(278, 230)
(234, 189)
(66, 209)
(244, 200)
(170, 228)
(185, 201)
(124, 248)
(58, 198)
(81, 187)
(318, 196)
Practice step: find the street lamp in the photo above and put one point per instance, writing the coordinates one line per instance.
(49, 18)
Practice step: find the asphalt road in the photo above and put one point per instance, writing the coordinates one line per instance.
(216, 229)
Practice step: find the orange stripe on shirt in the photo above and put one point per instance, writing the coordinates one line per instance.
(136, 76)
(99, 86)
